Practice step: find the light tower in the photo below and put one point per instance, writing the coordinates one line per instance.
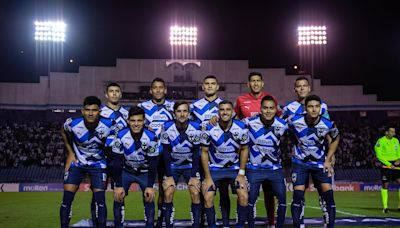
(310, 39)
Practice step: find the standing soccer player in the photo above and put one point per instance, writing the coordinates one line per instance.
(158, 110)
(112, 110)
(224, 156)
(248, 105)
(388, 153)
(135, 155)
(310, 157)
(302, 89)
(84, 138)
(181, 142)
(264, 164)
(203, 110)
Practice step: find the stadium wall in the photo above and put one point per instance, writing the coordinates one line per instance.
(66, 90)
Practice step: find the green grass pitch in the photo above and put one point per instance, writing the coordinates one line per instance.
(41, 209)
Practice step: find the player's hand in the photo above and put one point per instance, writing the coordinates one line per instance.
(328, 168)
(207, 184)
(168, 182)
(149, 195)
(70, 159)
(195, 183)
(213, 121)
(119, 194)
(397, 163)
(241, 182)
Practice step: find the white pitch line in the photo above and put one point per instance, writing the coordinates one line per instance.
(337, 211)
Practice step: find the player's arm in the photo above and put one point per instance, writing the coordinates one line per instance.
(379, 154)
(195, 161)
(169, 180)
(67, 138)
(152, 158)
(117, 159)
(333, 143)
(243, 158)
(208, 182)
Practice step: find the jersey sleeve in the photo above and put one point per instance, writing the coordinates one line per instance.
(379, 149)
(197, 138)
(333, 132)
(205, 138)
(164, 137)
(67, 126)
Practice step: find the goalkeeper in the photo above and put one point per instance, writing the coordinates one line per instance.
(388, 153)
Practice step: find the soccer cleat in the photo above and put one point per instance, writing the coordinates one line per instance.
(385, 210)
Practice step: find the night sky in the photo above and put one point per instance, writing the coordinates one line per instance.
(363, 36)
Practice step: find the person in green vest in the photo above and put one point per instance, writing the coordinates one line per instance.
(388, 153)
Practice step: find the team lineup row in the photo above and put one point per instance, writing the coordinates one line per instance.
(210, 142)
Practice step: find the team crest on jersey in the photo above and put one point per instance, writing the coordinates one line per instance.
(235, 135)
(294, 177)
(197, 138)
(101, 134)
(378, 145)
(144, 146)
(152, 149)
(396, 147)
(191, 137)
(277, 130)
(165, 136)
(244, 137)
(321, 132)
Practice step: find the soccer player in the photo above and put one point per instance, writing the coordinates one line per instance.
(119, 114)
(264, 163)
(302, 89)
(248, 105)
(158, 110)
(311, 130)
(135, 157)
(204, 110)
(181, 142)
(388, 153)
(224, 156)
(84, 138)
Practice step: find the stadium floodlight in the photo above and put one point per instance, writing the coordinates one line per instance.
(182, 36)
(53, 31)
(311, 35)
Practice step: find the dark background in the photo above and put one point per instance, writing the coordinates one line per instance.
(363, 36)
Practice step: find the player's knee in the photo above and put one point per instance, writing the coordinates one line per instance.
(328, 197)
(194, 194)
(68, 197)
(99, 197)
(326, 187)
(169, 194)
(243, 198)
(209, 200)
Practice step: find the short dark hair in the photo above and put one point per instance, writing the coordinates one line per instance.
(225, 102)
(312, 97)
(268, 98)
(136, 110)
(158, 80)
(112, 84)
(390, 126)
(210, 76)
(92, 100)
(251, 74)
(179, 103)
(301, 78)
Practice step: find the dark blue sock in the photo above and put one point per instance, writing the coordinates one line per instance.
(100, 199)
(93, 212)
(168, 214)
(160, 215)
(242, 215)
(297, 207)
(119, 214)
(149, 210)
(196, 211)
(251, 214)
(210, 214)
(281, 214)
(65, 208)
(330, 207)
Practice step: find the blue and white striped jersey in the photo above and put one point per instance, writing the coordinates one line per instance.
(136, 152)
(264, 152)
(157, 115)
(182, 145)
(296, 108)
(88, 145)
(120, 116)
(224, 146)
(310, 145)
(203, 110)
